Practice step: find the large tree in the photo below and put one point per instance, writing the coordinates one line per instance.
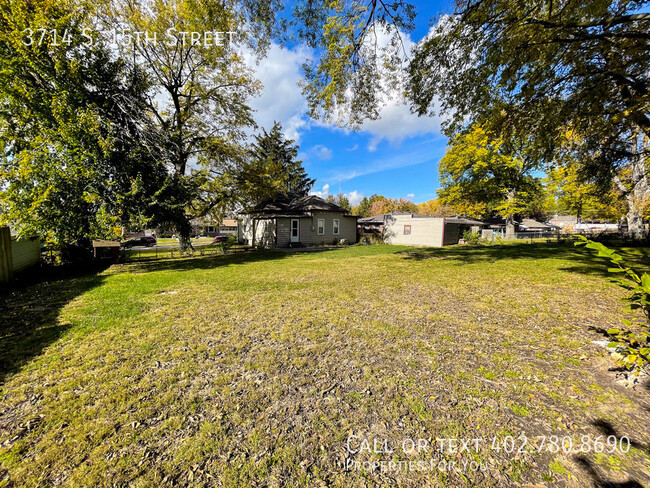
(489, 175)
(541, 69)
(531, 69)
(147, 132)
(78, 158)
(198, 99)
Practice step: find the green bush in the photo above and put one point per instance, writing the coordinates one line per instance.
(634, 347)
(471, 237)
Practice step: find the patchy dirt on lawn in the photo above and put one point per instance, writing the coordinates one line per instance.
(366, 366)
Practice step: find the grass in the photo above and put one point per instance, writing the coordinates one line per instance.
(255, 369)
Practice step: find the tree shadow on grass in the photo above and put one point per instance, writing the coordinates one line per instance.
(582, 260)
(598, 480)
(29, 311)
(607, 429)
(211, 261)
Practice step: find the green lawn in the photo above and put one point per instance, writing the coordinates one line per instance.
(255, 369)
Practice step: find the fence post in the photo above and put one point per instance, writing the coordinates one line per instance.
(6, 258)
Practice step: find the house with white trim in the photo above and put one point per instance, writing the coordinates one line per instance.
(305, 221)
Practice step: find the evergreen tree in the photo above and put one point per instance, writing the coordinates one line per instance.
(271, 170)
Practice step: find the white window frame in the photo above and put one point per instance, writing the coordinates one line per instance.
(336, 226)
(319, 228)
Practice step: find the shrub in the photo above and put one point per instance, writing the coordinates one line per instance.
(471, 237)
(634, 347)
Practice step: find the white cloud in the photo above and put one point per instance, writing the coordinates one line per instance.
(355, 197)
(321, 152)
(323, 193)
(281, 98)
(397, 123)
(353, 148)
(410, 196)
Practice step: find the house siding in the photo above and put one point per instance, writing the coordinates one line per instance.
(347, 228)
(25, 253)
(266, 230)
(284, 232)
(309, 237)
(424, 231)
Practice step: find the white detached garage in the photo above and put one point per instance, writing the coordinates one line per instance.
(421, 230)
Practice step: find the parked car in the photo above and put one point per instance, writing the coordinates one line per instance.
(141, 241)
(219, 239)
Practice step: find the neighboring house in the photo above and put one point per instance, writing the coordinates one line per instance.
(530, 225)
(569, 223)
(421, 230)
(305, 221)
(596, 226)
(563, 221)
(375, 224)
(210, 228)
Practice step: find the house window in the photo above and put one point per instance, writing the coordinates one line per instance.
(407, 230)
(336, 225)
(210, 228)
(321, 227)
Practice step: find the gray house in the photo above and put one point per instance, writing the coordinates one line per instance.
(305, 221)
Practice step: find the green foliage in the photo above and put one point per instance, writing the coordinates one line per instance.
(341, 200)
(572, 65)
(634, 346)
(471, 237)
(481, 174)
(570, 76)
(95, 137)
(77, 158)
(360, 52)
(386, 205)
(203, 111)
(365, 206)
(271, 170)
(572, 192)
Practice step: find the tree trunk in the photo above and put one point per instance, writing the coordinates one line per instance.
(510, 227)
(637, 193)
(635, 225)
(184, 229)
(510, 218)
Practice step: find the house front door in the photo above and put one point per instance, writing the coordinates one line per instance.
(295, 230)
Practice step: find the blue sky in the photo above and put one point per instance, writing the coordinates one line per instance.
(395, 156)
